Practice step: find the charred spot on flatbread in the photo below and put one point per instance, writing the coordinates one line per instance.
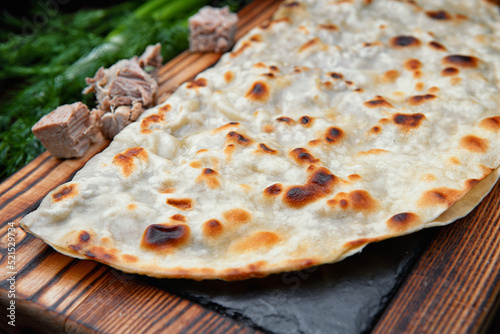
(235, 137)
(161, 238)
(408, 121)
(320, 184)
(303, 156)
(439, 15)
(212, 228)
(127, 159)
(228, 76)
(209, 177)
(285, 119)
(461, 61)
(450, 71)
(180, 203)
(356, 200)
(258, 241)
(404, 41)
(334, 135)
(306, 121)
(65, 192)
(263, 148)
(442, 196)
(420, 99)
(179, 217)
(378, 102)
(237, 216)
(491, 123)
(82, 241)
(260, 92)
(437, 46)
(198, 83)
(402, 221)
(474, 144)
(273, 190)
(102, 254)
(412, 64)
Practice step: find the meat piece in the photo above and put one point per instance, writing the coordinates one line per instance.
(122, 84)
(212, 30)
(151, 56)
(114, 122)
(110, 123)
(124, 90)
(68, 131)
(136, 111)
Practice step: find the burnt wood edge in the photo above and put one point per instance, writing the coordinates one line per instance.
(174, 313)
(492, 321)
(16, 215)
(27, 188)
(19, 214)
(12, 182)
(30, 316)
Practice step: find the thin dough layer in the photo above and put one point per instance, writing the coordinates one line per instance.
(336, 124)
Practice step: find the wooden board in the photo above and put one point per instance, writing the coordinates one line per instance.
(452, 288)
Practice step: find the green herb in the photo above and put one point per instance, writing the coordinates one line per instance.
(47, 68)
(34, 63)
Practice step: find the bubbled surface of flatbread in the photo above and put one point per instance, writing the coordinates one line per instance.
(336, 124)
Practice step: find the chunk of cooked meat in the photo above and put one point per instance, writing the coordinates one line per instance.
(212, 30)
(124, 90)
(113, 122)
(151, 56)
(68, 131)
(122, 84)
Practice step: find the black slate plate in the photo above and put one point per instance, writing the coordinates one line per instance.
(344, 297)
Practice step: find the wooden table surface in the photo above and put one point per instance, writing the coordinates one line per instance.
(453, 287)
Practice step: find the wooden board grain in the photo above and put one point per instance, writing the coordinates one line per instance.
(452, 288)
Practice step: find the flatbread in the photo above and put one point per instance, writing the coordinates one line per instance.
(336, 124)
(467, 203)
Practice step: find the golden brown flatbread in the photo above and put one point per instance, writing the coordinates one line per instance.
(336, 124)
